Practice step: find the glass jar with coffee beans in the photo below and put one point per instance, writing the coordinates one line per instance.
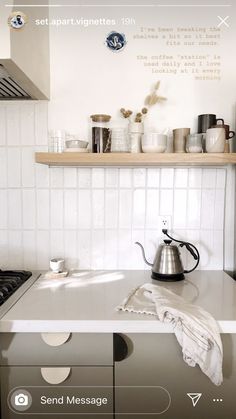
(101, 133)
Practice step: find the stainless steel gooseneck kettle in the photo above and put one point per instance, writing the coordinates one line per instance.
(167, 265)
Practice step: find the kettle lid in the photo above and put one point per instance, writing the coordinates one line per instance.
(167, 242)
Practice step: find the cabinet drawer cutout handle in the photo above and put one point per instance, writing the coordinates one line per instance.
(120, 348)
(55, 375)
(55, 339)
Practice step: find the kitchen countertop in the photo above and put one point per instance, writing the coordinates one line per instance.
(85, 301)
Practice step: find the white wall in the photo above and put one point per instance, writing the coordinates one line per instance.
(88, 78)
(92, 217)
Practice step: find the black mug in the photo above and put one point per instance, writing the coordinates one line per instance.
(206, 121)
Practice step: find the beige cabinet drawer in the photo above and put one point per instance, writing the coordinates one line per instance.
(81, 383)
(156, 360)
(79, 349)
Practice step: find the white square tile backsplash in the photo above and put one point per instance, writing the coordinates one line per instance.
(153, 178)
(70, 209)
(15, 247)
(126, 178)
(70, 177)
(152, 207)
(111, 208)
(2, 125)
(93, 216)
(15, 206)
(27, 164)
(28, 209)
(84, 209)
(195, 177)
(3, 167)
(194, 209)
(180, 208)
(13, 124)
(57, 209)
(125, 208)
(167, 178)
(43, 209)
(14, 174)
(29, 247)
(3, 209)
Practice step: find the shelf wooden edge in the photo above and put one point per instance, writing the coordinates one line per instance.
(133, 159)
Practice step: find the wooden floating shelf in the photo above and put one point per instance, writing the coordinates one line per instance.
(133, 159)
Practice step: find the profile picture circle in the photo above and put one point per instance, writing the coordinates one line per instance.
(17, 20)
(115, 41)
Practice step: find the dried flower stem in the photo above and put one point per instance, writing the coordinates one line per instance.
(150, 100)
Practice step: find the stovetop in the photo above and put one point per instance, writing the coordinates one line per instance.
(10, 281)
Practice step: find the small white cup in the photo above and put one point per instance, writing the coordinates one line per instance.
(57, 265)
(215, 140)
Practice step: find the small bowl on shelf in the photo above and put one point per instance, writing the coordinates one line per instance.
(153, 149)
(76, 144)
(154, 143)
(76, 150)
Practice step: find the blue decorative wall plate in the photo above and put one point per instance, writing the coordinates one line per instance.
(115, 41)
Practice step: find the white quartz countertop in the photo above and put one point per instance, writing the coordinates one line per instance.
(86, 301)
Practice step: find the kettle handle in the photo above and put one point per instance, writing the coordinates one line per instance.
(190, 247)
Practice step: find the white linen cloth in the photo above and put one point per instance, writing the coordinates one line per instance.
(195, 329)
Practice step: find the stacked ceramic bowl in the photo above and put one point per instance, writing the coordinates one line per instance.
(76, 146)
(153, 142)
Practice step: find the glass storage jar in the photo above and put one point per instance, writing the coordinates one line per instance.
(119, 140)
(194, 143)
(56, 140)
(101, 133)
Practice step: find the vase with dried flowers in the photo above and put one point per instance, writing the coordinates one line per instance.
(136, 127)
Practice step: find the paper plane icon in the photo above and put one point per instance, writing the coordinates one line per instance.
(195, 397)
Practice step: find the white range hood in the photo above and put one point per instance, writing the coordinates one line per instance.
(24, 53)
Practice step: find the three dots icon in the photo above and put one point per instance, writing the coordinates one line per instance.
(217, 400)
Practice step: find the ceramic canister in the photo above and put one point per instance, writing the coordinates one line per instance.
(179, 139)
(215, 140)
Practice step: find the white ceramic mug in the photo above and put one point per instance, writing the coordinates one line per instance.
(57, 265)
(215, 140)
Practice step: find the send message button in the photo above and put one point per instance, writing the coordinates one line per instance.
(148, 400)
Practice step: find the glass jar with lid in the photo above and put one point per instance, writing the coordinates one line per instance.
(101, 133)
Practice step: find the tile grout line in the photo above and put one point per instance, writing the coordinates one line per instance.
(146, 205)
(7, 183)
(224, 221)
(118, 222)
(77, 216)
(21, 183)
(35, 190)
(49, 200)
(132, 210)
(92, 218)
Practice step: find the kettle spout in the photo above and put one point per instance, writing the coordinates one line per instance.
(143, 253)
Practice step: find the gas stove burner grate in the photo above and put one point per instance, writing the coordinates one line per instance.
(10, 281)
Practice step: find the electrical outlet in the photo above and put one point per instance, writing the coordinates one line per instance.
(164, 222)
